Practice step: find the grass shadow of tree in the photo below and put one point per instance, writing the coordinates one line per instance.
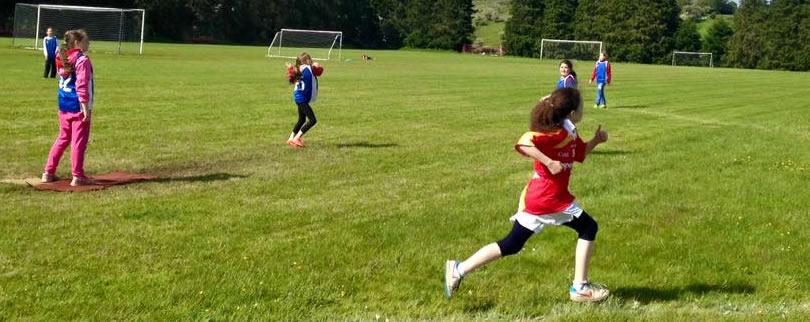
(629, 106)
(609, 152)
(364, 144)
(201, 178)
(649, 294)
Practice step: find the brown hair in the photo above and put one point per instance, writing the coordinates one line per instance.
(570, 67)
(303, 59)
(71, 37)
(549, 113)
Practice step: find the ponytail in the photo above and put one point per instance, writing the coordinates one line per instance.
(71, 37)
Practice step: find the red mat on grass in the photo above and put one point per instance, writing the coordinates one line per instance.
(101, 181)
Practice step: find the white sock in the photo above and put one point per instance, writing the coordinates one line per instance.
(459, 269)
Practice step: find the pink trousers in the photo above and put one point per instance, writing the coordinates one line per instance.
(74, 132)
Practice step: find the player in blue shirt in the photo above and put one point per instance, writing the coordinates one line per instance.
(50, 46)
(568, 77)
(603, 75)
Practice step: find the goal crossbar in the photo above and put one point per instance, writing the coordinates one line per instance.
(277, 44)
(30, 27)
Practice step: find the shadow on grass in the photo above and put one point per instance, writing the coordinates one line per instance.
(608, 152)
(201, 178)
(629, 106)
(648, 294)
(364, 144)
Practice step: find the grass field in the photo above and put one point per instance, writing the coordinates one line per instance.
(701, 193)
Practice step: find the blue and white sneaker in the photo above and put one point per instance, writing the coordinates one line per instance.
(452, 278)
(588, 292)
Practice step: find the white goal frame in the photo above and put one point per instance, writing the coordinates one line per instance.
(39, 8)
(711, 56)
(544, 40)
(280, 37)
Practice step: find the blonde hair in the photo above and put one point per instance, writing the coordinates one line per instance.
(71, 37)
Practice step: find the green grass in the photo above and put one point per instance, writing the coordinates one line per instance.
(490, 34)
(701, 192)
(704, 25)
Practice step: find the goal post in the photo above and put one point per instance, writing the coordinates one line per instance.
(570, 49)
(110, 30)
(319, 44)
(691, 58)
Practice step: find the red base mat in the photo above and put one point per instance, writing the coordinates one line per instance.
(102, 181)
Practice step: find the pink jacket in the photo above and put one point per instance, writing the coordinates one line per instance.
(83, 69)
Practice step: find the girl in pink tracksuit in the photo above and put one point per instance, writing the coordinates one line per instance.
(75, 107)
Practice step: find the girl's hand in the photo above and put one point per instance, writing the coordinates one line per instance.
(600, 136)
(86, 116)
(554, 167)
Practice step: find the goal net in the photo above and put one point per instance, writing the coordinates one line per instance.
(110, 30)
(289, 43)
(688, 58)
(570, 49)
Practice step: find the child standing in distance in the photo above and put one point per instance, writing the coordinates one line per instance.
(305, 77)
(50, 46)
(75, 107)
(568, 77)
(602, 74)
(554, 144)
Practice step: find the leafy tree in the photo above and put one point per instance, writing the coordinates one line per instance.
(687, 38)
(747, 47)
(716, 40)
(523, 33)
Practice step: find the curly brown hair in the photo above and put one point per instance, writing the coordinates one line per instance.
(550, 112)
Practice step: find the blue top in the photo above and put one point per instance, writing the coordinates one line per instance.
(303, 88)
(50, 44)
(601, 71)
(68, 98)
(567, 81)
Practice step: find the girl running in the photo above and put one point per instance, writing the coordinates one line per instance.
(554, 144)
(305, 77)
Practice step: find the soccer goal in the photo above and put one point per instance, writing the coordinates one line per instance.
(110, 30)
(289, 43)
(570, 49)
(689, 58)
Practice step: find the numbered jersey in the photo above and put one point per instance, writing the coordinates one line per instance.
(78, 86)
(548, 193)
(68, 98)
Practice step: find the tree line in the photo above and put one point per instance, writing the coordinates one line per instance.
(439, 24)
(764, 34)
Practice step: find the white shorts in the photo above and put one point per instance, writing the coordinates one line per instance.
(536, 223)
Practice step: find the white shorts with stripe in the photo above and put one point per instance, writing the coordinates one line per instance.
(537, 223)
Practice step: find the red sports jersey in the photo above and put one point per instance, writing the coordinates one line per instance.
(547, 193)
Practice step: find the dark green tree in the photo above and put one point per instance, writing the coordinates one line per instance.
(716, 40)
(687, 38)
(747, 47)
(524, 30)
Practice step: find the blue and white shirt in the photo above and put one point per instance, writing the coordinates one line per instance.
(306, 89)
(567, 81)
(50, 45)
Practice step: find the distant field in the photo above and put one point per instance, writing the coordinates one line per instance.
(704, 25)
(701, 192)
(490, 35)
